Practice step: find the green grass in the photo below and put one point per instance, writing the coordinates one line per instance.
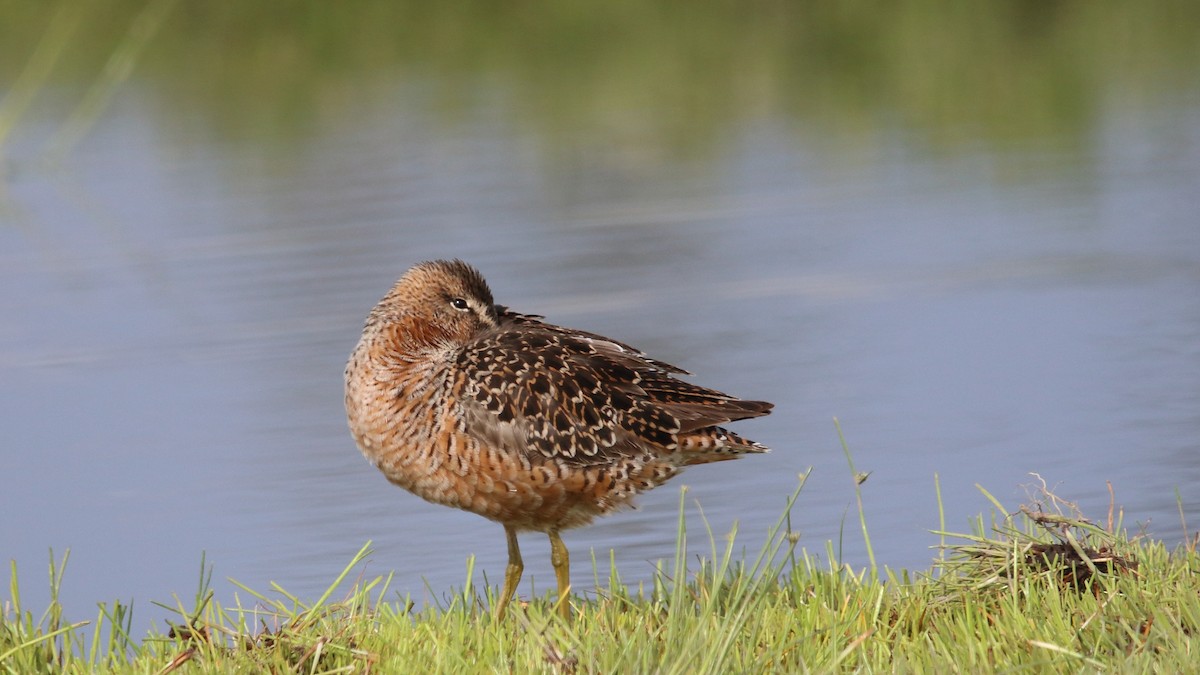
(951, 75)
(1042, 589)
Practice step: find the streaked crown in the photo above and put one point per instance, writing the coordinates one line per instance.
(437, 301)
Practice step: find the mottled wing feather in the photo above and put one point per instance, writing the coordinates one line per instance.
(510, 318)
(543, 390)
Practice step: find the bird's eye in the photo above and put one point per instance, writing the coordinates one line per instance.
(460, 304)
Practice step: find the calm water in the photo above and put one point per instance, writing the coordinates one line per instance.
(178, 305)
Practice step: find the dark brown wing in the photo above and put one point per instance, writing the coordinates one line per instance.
(543, 390)
(509, 318)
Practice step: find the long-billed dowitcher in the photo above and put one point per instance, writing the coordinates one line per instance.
(535, 426)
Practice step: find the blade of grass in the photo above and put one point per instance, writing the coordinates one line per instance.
(37, 69)
(354, 562)
(42, 638)
(859, 479)
(116, 70)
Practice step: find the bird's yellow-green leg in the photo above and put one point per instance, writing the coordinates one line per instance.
(562, 572)
(512, 573)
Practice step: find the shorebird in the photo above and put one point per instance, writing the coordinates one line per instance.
(535, 426)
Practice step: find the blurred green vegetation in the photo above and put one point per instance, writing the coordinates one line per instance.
(671, 75)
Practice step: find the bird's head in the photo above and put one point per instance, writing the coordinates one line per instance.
(436, 303)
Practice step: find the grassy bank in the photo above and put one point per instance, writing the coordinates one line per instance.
(1041, 589)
